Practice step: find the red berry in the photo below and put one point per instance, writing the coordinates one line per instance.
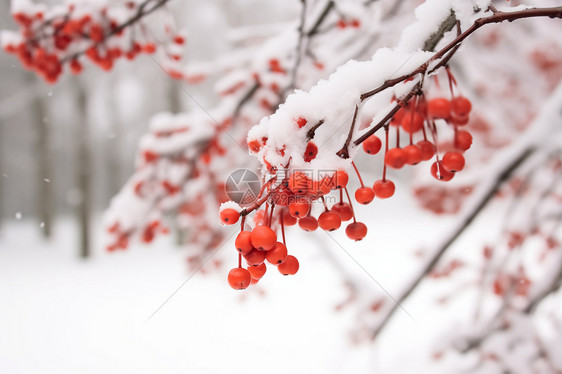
(384, 189)
(288, 219)
(282, 197)
(308, 223)
(453, 161)
(290, 266)
(427, 149)
(263, 238)
(341, 178)
(372, 145)
(96, 33)
(344, 210)
(149, 48)
(239, 278)
(439, 108)
(412, 122)
(459, 120)
(254, 145)
(75, 66)
(322, 187)
(461, 106)
(413, 154)
(255, 257)
(229, 216)
(301, 122)
(395, 158)
(463, 140)
(440, 173)
(299, 183)
(310, 152)
(329, 220)
(256, 272)
(356, 231)
(299, 209)
(364, 195)
(399, 116)
(277, 255)
(243, 243)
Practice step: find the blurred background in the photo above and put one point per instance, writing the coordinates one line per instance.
(436, 287)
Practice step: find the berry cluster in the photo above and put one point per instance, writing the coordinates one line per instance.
(287, 204)
(291, 196)
(419, 116)
(49, 39)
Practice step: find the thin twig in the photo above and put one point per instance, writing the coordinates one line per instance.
(344, 151)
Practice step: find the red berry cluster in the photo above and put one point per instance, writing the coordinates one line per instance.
(46, 45)
(293, 196)
(419, 116)
(257, 247)
(286, 205)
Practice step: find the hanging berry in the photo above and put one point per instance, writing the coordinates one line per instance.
(372, 145)
(329, 220)
(239, 278)
(290, 266)
(263, 238)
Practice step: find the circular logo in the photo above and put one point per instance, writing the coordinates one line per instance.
(243, 186)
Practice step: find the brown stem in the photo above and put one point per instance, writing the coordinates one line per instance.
(389, 116)
(393, 82)
(245, 99)
(497, 17)
(329, 6)
(312, 131)
(344, 152)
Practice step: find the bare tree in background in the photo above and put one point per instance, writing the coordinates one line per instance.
(83, 171)
(44, 199)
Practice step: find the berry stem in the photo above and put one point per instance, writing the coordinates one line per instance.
(266, 214)
(324, 202)
(350, 204)
(242, 222)
(312, 131)
(283, 229)
(358, 175)
(385, 152)
(270, 220)
(344, 151)
(412, 119)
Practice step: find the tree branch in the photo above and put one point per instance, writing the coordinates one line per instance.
(487, 197)
(496, 17)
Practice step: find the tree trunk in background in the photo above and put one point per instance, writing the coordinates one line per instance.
(174, 97)
(113, 151)
(44, 166)
(83, 173)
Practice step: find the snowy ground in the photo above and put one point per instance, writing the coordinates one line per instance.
(60, 314)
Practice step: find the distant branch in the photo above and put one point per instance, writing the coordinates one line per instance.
(467, 221)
